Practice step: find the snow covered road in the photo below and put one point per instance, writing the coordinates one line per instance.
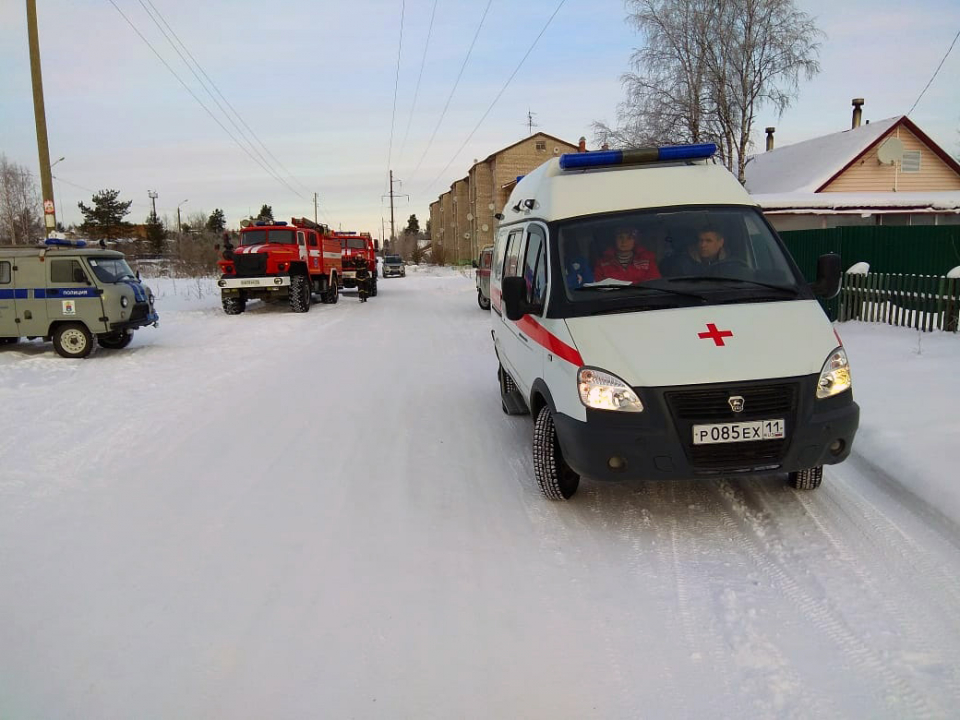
(328, 515)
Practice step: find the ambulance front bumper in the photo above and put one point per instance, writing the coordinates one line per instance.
(658, 445)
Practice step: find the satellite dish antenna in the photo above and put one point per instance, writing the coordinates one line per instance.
(890, 152)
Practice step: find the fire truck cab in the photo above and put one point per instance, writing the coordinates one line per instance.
(355, 245)
(277, 260)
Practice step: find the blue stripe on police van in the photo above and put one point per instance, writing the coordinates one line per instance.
(139, 294)
(13, 294)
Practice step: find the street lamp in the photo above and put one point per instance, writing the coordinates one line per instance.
(178, 215)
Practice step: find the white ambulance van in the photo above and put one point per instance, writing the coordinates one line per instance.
(653, 324)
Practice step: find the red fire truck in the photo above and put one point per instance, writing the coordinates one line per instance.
(354, 245)
(278, 260)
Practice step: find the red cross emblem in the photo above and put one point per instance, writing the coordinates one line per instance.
(716, 335)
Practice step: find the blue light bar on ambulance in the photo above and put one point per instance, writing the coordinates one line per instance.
(636, 156)
(65, 243)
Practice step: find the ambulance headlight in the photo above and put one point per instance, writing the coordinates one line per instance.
(835, 375)
(123, 301)
(602, 391)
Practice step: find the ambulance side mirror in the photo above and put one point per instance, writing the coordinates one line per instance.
(827, 284)
(515, 304)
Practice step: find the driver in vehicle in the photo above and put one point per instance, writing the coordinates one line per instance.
(708, 249)
(627, 259)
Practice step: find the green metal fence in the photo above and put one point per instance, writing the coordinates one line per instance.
(893, 252)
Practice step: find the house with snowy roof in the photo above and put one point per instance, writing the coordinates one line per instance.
(882, 173)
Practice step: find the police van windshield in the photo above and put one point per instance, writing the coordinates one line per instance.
(688, 253)
(259, 237)
(111, 270)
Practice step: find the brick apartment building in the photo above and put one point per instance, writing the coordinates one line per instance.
(462, 219)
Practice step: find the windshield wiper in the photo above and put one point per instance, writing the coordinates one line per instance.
(722, 279)
(669, 291)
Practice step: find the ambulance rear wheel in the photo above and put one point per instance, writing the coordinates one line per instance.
(556, 479)
(117, 340)
(483, 302)
(808, 479)
(72, 340)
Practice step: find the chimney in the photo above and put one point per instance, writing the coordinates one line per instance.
(770, 131)
(583, 145)
(857, 112)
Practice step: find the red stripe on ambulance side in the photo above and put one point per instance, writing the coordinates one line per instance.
(540, 335)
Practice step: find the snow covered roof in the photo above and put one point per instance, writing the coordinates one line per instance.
(806, 166)
(841, 202)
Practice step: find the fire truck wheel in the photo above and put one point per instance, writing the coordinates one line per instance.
(556, 479)
(117, 340)
(234, 305)
(299, 294)
(72, 340)
(331, 293)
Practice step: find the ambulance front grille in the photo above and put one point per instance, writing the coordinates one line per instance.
(248, 265)
(713, 404)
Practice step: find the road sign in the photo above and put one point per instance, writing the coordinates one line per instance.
(48, 207)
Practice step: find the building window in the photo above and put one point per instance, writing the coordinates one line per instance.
(911, 162)
(541, 145)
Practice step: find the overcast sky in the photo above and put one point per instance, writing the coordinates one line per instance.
(314, 81)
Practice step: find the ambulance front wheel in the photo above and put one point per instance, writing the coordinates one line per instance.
(808, 479)
(117, 340)
(72, 340)
(556, 479)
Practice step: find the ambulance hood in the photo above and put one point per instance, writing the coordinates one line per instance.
(683, 346)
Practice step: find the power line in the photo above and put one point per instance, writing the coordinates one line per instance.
(455, 84)
(505, 85)
(937, 70)
(396, 85)
(217, 89)
(200, 102)
(416, 93)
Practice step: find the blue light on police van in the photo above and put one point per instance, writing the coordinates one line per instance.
(636, 156)
(55, 242)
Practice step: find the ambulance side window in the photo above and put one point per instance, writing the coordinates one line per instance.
(512, 263)
(534, 265)
(4, 273)
(67, 271)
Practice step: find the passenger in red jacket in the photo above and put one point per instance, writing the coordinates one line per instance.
(627, 259)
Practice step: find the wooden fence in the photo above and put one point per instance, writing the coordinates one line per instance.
(924, 302)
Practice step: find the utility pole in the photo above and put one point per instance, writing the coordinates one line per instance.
(317, 222)
(153, 195)
(178, 215)
(392, 195)
(46, 176)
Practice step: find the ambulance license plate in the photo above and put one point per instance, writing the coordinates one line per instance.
(739, 432)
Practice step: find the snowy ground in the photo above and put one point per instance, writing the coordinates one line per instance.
(327, 515)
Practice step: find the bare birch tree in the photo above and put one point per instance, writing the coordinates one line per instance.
(21, 221)
(706, 67)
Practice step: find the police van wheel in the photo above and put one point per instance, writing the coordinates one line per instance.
(234, 305)
(808, 479)
(72, 340)
(117, 340)
(556, 479)
(299, 294)
(483, 302)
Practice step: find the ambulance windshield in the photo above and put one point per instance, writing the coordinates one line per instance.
(111, 270)
(693, 252)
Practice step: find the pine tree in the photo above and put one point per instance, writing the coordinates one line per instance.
(413, 226)
(156, 233)
(266, 213)
(217, 221)
(105, 218)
